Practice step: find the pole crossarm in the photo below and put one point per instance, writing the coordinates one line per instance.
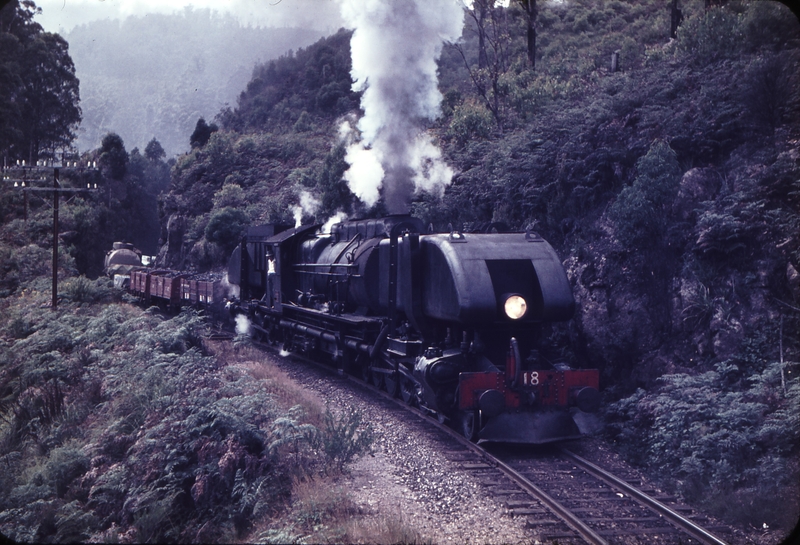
(59, 189)
(40, 173)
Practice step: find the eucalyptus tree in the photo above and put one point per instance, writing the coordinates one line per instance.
(39, 93)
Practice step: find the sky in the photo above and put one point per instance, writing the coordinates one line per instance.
(63, 15)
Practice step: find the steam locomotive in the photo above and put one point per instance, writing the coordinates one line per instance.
(447, 321)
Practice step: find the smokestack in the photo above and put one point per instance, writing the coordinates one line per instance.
(394, 50)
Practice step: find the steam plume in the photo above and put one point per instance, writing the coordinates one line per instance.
(242, 325)
(308, 206)
(394, 50)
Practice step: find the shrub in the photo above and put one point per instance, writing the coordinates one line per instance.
(343, 437)
(640, 210)
(770, 92)
(82, 290)
(470, 120)
(714, 34)
(721, 235)
(769, 25)
(225, 227)
(303, 123)
(63, 466)
(230, 196)
(724, 438)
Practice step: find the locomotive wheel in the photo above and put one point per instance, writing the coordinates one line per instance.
(392, 384)
(377, 379)
(408, 392)
(468, 425)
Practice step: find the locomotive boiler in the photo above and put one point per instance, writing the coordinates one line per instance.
(447, 321)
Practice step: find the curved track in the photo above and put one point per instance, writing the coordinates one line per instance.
(563, 496)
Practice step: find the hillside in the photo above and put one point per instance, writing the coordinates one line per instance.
(669, 186)
(154, 76)
(664, 170)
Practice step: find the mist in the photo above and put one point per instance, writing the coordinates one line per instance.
(150, 69)
(321, 15)
(154, 76)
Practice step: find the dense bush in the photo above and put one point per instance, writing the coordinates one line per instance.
(314, 82)
(726, 438)
(716, 34)
(225, 227)
(641, 209)
(470, 121)
(116, 422)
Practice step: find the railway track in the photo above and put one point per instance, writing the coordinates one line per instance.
(563, 497)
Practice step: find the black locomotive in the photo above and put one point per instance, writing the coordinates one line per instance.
(447, 321)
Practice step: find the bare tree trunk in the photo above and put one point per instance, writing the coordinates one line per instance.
(531, 10)
(479, 11)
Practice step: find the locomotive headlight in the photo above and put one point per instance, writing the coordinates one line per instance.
(515, 307)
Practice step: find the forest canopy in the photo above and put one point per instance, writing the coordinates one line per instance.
(39, 97)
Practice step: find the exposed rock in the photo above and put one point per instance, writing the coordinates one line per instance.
(614, 320)
(726, 333)
(793, 279)
(697, 185)
(171, 254)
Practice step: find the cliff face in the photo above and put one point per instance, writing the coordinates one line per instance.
(725, 277)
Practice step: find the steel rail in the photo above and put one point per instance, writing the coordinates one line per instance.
(569, 518)
(701, 534)
(562, 512)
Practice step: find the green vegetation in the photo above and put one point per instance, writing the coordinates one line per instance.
(671, 187)
(115, 422)
(641, 209)
(39, 110)
(723, 438)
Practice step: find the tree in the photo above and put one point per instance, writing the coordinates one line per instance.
(39, 92)
(225, 227)
(202, 132)
(50, 95)
(153, 151)
(531, 12)
(113, 157)
(494, 59)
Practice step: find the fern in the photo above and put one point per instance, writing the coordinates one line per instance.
(280, 536)
(288, 430)
(344, 437)
(710, 435)
(74, 524)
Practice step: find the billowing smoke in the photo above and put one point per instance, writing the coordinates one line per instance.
(308, 206)
(242, 324)
(394, 49)
(338, 217)
(232, 291)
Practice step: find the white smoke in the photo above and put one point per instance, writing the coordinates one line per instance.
(231, 290)
(338, 217)
(242, 324)
(308, 206)
(394, 50)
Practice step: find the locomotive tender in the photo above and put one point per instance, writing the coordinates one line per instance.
(447, 321)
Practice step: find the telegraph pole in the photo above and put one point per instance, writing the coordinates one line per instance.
(39, 170)
(56, 186)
